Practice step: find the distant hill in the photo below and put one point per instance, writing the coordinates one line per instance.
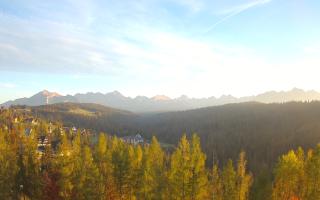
(85, 115)
(162, 103)
(264, 131)
(85, 109)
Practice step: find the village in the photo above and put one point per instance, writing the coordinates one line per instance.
(48, 134)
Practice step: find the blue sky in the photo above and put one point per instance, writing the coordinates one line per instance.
(146, 47)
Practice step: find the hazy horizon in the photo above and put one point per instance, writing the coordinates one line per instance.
(169, 47)
(295, 90)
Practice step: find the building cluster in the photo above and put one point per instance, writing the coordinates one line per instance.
(50, 138)
(135, 139)
(48, 134)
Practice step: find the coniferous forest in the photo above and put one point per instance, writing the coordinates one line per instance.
(45, 160)
(76, 167)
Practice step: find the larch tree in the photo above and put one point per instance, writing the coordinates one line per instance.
(64, 166)
(77, 178)
(229, 178)
(157, 172)
(287, 177)
(198, 181)
(135, 167)
(8, 167)
(152, 172)
(313, 174)
(244, 180)
(180, 172)
(103, 160)
(89, 177)
(215, 189)
(30, 167)
(121, 168)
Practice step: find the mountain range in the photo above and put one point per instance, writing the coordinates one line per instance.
(161, 103)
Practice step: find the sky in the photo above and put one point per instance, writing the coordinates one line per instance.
(198, 48)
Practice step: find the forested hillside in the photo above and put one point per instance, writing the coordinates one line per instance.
(86, 115)
(43, 160)
(264, 131)
(79, 168)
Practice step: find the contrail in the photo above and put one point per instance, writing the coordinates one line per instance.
(236, 11)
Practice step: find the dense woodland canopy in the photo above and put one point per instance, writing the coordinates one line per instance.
(264, 131)
(89, 166)
(79, 168)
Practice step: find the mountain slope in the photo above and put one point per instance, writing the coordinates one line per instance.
(85, 115)
(264, 131)
(41, 98)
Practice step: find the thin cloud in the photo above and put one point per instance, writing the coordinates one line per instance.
(194, 5)
(232, 12)
(8, 85)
